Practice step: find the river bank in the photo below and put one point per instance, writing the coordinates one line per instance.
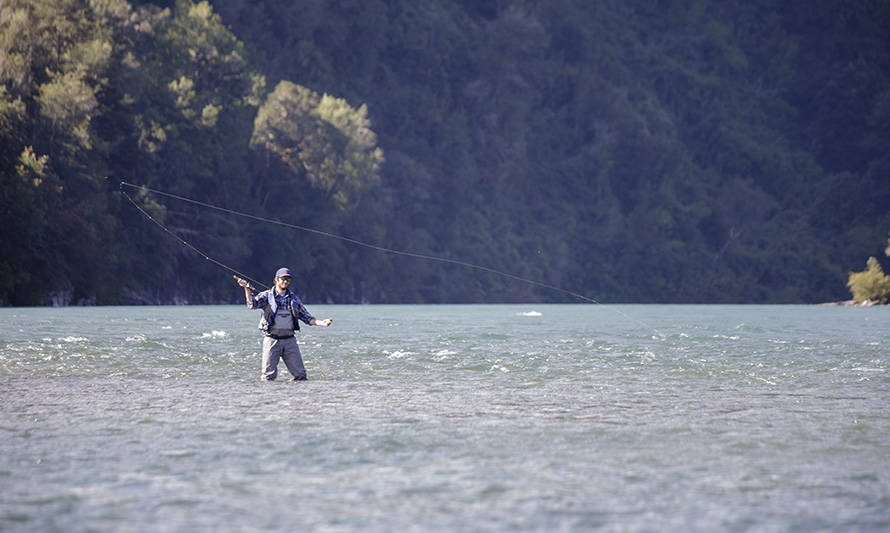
(853, 303)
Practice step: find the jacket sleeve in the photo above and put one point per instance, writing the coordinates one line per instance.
(301, 312)
(258, 300)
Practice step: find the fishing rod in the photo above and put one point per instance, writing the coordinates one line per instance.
(345, 239)
(236, 274)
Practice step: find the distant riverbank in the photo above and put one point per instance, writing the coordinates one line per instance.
(854, 303)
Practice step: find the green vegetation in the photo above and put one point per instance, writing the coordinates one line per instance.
(871, 284)
(322, 138)
(682, 151)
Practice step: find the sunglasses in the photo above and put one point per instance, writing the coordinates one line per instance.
(285, 279)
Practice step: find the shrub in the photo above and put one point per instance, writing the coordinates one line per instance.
(870, 284)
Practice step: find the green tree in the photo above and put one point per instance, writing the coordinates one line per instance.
(56, 57)
(703, 151)
(181, 107)
(870, 284)
(23, 215)
(320, 138)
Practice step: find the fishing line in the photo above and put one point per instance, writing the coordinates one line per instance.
(345, 239)
(186, 243)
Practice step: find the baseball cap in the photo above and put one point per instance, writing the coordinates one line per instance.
(283, 273)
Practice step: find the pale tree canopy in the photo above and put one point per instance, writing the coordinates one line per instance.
(321, 138)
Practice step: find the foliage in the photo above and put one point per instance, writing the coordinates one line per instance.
(321, 138)
(870, 284)
(632, 151)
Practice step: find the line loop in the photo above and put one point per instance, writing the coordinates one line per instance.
(350, 240)
(345, 239)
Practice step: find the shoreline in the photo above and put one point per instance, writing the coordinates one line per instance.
(854, 303)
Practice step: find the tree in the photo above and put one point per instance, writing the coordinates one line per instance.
(23, 227)
(54, 69)
(321, 138)
(871, 284)
(180, 110)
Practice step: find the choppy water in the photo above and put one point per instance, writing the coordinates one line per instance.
(448, 418)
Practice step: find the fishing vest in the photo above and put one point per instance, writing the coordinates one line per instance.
(270, 311)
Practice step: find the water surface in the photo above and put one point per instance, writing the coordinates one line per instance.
(467, 418)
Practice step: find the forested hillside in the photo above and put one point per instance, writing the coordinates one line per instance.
(633, 151)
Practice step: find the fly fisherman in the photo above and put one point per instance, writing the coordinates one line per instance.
(282, 311)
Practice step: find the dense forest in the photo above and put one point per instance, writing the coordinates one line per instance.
(631, 151)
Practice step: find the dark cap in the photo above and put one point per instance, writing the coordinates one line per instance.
(283, 273)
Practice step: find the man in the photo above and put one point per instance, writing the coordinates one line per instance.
(282, 311)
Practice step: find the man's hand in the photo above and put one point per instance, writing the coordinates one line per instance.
(325, 323)
(247, 296)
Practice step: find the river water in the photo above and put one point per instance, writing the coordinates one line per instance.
(448, 418)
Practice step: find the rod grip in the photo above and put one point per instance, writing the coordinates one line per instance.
(249, 286)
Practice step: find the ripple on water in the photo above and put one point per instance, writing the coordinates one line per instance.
(447, 417)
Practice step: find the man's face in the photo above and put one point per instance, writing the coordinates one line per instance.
(282, 283)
